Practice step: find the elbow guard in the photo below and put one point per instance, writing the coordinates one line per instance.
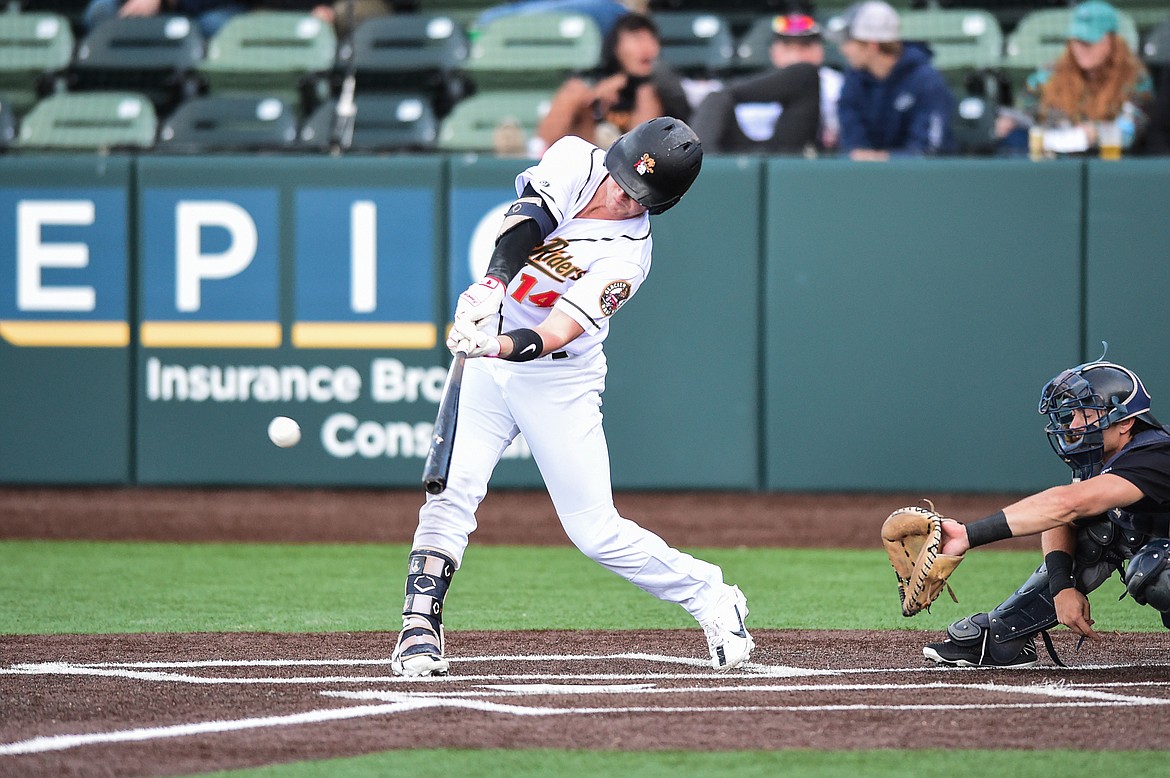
(526, 224)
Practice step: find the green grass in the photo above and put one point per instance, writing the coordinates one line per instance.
(81, 587)
(91, 587)
(741, 764)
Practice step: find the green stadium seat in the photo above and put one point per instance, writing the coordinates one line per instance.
(89, 121)
(1156, 48)
(533, 50)
(416, 52)
(472, 125)
(382, 122)
(281, 54)
(153, 55)
(696, 44)
(35, 50)
(237, 123)
(752, 49)
(959, 38)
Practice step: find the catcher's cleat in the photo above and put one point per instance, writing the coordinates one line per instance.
(948, 653)
(419, 651)
(727, 636)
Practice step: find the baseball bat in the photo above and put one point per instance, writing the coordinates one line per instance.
(438, 464)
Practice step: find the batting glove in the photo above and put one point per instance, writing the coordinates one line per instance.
(467, 338)
(480, 302)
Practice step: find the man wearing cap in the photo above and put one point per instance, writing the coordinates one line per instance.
(786, 110)
(893, 102)
(1096, 82)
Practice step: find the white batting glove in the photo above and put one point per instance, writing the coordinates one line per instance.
(481, 302)
(467, 338)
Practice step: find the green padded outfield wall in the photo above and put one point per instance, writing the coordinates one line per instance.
(304, 287)
(915, 310)
(1128, 270)
(682, 399)
(65, 356)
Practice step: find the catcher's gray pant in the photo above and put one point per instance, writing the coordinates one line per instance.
(557, 405)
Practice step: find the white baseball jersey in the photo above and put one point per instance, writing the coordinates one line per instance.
(586, 268)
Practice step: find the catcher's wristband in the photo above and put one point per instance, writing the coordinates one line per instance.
(1060, 571)
(989, 530)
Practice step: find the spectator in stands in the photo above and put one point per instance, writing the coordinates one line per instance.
(1096, 79)
(630, 87)
(893, 102)
(785, 110)
(209, 15)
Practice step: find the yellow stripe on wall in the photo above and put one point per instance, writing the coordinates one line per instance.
(81, 334)
(210, 334)
(338, 334)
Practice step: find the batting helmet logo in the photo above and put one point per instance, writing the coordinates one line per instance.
(644, 165)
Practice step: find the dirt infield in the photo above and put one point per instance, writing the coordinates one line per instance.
(168, 704)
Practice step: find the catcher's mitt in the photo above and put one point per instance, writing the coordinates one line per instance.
(912, 537)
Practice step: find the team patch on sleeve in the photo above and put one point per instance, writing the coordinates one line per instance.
(613, 296)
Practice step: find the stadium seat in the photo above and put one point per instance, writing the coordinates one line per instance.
(382, 122)
(392, 53)
(7, 125)
(1041, 37)
(1156, 49)
(696, 44)
(472, 125)
(236, 123)
(89, 121)
(152, 55)
(281, 54)
(72, 10)
(35, 50)
(973, 124)
(752, 50)
(959, 38)
(533, 50)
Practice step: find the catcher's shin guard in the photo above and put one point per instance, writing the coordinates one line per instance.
(419, 650)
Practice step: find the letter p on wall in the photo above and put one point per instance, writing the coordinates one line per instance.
(193, 264)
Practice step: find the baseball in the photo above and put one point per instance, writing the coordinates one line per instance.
(284, 432)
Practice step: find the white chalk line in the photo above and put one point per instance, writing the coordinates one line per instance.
(1074, 695)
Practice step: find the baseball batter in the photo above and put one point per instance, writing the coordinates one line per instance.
(572, 250)
(1116, 509)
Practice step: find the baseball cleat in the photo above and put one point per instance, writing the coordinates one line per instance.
(727, 636)
(419, 652)
(948, 653)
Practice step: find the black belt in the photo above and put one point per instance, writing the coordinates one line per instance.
(559, 355)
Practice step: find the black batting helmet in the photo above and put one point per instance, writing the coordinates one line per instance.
(1083, 401)
(656, 162)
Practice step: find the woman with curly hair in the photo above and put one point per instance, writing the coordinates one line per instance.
(1097, 80)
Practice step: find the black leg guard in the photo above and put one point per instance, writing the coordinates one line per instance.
(1011, 626)
(421, 643)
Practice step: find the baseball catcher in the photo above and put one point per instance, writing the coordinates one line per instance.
(913, 540)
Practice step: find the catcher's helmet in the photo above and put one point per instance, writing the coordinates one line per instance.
(1084, 400)
(1146, 578)
(656, 162)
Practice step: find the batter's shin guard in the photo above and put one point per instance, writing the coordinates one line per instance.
(420, 644)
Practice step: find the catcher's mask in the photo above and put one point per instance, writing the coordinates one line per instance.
(656, 162)
(1082, 402)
